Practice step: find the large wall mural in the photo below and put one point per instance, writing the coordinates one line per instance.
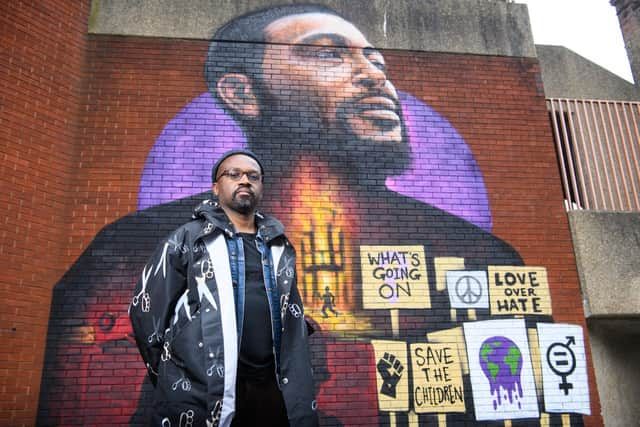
(443, 171)
(422, 315)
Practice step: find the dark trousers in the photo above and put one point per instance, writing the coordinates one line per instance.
(259, 404)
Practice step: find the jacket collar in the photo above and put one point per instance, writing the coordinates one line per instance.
(215, 218)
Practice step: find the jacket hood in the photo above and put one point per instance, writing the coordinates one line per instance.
(210, 211)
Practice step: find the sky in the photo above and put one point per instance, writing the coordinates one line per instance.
(588, 27)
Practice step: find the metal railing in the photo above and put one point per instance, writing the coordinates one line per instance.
(598, 147)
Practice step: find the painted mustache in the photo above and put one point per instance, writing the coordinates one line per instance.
(376, 102)
(377, 107)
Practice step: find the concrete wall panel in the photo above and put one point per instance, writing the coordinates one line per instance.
(462, 26)
(607, 246)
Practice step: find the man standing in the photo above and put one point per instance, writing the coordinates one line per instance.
(217, 315)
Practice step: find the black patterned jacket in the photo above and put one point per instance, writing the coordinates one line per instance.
(184, 317)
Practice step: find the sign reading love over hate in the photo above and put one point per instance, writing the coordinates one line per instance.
(519, 290)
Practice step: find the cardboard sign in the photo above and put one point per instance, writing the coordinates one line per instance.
(394, 277)
(437, 378)
(468, 289)
(519, 290)
(392, 375)
(500, 369)
(564, 368)
(444, 264)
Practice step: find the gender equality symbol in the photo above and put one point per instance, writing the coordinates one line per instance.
(562, 361)
(469, 289)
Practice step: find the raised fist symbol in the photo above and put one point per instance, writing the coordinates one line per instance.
(390, 370)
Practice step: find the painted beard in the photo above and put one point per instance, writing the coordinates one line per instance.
(370, 137)
(377, 140)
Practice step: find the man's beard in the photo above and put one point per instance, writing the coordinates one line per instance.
(245, 204)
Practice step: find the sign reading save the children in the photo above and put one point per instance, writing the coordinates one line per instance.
(437, 378)
(394, 277)
(519, 290)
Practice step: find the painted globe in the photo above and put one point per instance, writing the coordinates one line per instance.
(501, 362)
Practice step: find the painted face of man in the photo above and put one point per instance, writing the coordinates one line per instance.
(238, 184)
(323, 68)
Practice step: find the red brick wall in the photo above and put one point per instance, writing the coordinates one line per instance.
(134, 87)
(497, 104)
(41, 71)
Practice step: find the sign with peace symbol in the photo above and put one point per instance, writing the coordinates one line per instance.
(467, 289)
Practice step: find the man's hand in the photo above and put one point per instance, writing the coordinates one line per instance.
(390, 370)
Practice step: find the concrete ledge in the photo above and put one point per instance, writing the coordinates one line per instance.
(459, 26)
(569, 75)
(607, 247)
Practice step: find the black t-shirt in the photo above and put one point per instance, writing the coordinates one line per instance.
(256, 348)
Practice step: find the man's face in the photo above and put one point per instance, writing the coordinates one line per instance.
(340, 89)
(241, 194)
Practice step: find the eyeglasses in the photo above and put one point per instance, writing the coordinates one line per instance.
(236, 175)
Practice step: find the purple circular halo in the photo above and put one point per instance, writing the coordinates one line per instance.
(443, 171)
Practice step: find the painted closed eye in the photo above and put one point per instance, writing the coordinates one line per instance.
(330, 53)
(375, 57)
(326, 54)
(378, 64)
